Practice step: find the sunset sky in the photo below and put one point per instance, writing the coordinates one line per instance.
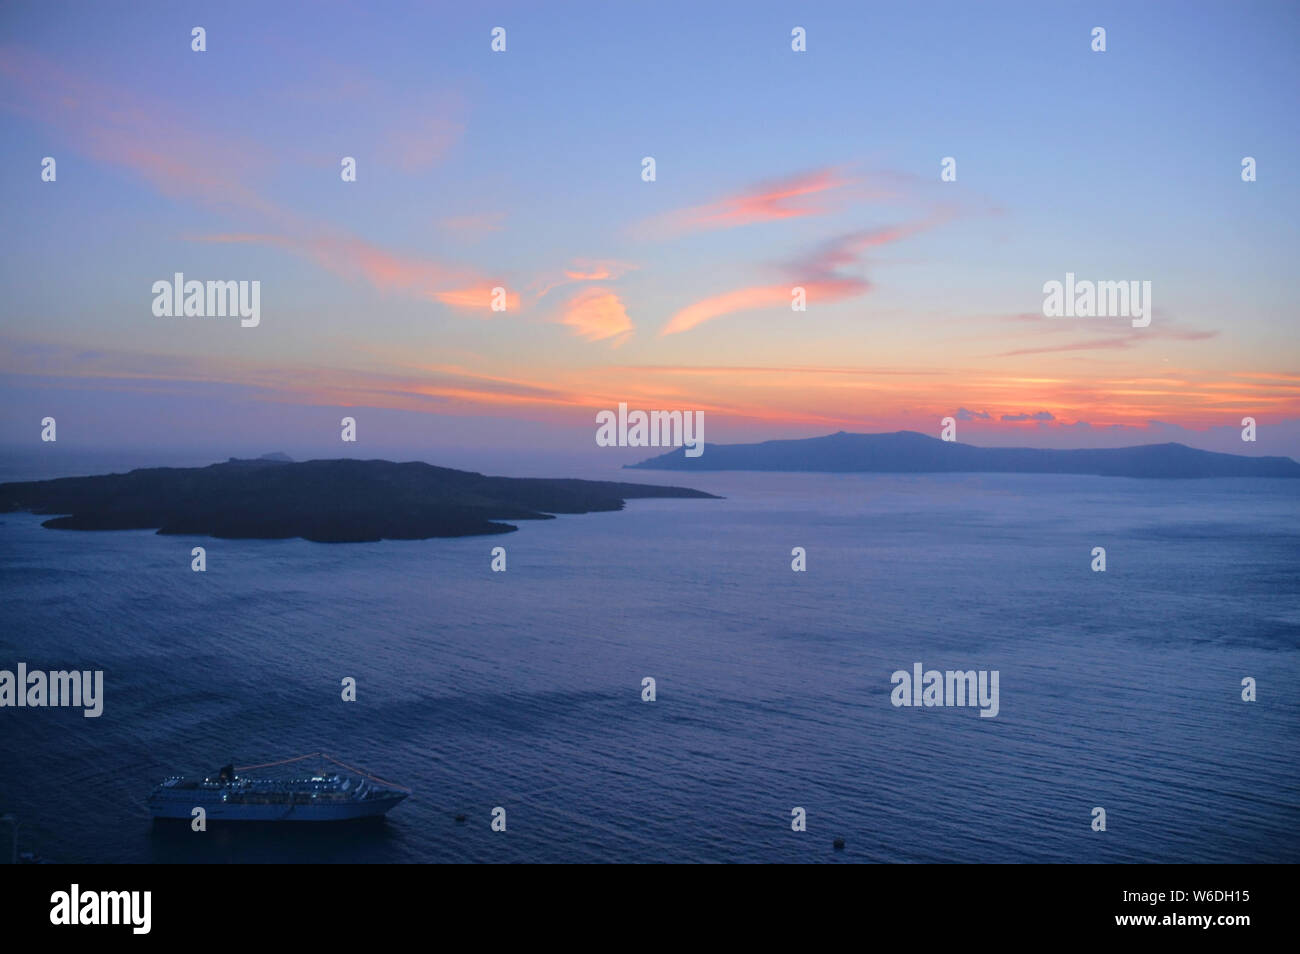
(522, 169)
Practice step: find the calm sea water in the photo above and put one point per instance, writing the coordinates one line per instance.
(522, 689)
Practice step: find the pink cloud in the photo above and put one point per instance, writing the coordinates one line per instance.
(818, 274)
(183, 160)
(597, 314)
(597, 270)
(583, 270)
(354, 258)
(145, 136)
(766, 202)
(741, 299)
(758, 297)
(476, 297)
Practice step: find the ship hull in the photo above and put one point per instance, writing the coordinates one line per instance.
(304, 811)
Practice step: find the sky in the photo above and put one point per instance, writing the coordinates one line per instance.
(522, 169)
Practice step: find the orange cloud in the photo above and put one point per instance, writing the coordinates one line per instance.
(351, 257)
(742, 299)
(589, 270)
(816, 274)
(816, 397)
(761, 296)
(583, 270)
(476, 297)
(598, 314)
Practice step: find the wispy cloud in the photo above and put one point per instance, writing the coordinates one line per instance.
(597, 270)
(597, 314)
(183, 160)
(848, 250)
(793, 197)
(146, 136)
(813, 397)
(478, 297)
(582, 270)
(819, 274)
(1104, 335)
(387, 271)
(741, 299)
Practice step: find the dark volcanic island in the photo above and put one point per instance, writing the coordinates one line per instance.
(907, 452)
(328, 501)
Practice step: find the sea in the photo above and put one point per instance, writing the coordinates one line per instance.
(523, 690)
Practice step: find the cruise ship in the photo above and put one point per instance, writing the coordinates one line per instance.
(325, 796)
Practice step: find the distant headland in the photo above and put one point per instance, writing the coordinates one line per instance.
(908, 452)
(327, 501)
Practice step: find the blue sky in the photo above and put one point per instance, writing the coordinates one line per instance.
(519, 169)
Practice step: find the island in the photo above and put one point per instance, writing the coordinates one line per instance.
(326, 501)
(908, 452)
